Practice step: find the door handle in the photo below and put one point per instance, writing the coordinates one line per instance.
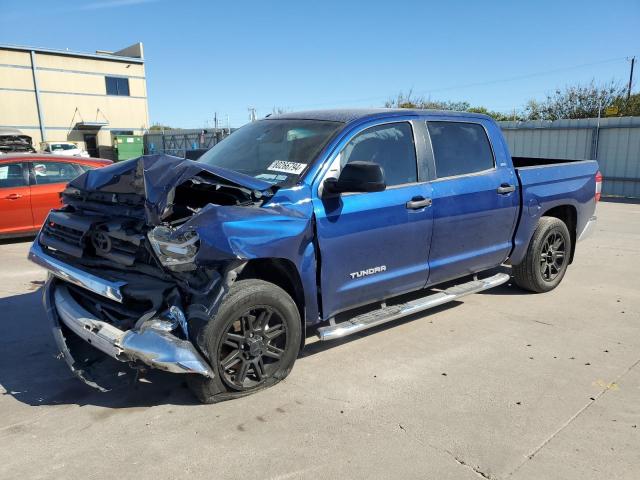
(505, 188)
(13, 196)
(418, 202)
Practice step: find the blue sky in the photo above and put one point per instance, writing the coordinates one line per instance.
(207, 56)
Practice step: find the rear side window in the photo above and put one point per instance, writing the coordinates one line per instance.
(55, 172)
(11, 175)
(459, 148)
(390, 146)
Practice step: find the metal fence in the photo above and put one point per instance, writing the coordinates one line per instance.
(179, 142)
(614, 142)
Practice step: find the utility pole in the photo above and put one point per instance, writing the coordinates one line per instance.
(228, 125)
(215, 122)
(633, 61)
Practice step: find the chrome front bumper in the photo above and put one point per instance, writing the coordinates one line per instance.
(588, 228)
(155, 348)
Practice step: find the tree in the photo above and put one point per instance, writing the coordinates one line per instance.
(628, 108)
(577, 101)
(406, 101)
(157, 126)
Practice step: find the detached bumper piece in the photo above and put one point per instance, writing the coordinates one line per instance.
(100, 286)
(156, 348)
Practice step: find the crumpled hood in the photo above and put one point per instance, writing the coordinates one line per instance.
(153, 179)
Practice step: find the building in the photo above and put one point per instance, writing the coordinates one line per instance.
(59, 95)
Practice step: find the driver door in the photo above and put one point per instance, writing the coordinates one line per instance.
(374, 245)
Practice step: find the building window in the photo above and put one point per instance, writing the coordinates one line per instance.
(117, 86)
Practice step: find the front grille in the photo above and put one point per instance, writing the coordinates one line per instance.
(94, 237)
(65, 232)
(123, 251)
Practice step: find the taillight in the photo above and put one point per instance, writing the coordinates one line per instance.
(598, 185)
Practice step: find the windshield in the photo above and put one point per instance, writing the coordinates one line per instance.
(64, 146)
(276, 151)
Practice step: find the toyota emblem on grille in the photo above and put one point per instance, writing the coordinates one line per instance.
(101, 242)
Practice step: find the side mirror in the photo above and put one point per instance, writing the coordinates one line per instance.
(357, 177)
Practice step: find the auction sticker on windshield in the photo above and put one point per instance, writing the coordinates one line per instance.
(287, 167)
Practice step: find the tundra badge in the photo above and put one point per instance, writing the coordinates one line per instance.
(368, 271)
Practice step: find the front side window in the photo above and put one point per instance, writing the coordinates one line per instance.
(459, 148)
(55, 172)
(117, 86)
(278, 151)
(11, 175)
(390, 146)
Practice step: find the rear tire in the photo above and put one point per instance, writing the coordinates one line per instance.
(252, 343)
(547, 257)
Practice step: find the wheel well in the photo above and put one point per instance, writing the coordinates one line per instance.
(568, 214)
(282, 273)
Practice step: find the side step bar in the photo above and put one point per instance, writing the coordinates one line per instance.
(393, 312)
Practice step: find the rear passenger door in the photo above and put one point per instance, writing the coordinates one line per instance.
(374, 245)
(48, 179)
(475, 199)
(15, 202)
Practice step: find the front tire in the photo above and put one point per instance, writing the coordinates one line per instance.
(252, 343)
(547, 257)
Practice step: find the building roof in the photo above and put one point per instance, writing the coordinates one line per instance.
(351, 114)
(102, 55)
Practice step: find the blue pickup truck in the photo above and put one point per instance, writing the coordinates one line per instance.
(325, 222)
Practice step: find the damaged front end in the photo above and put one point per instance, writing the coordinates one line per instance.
(141, 254)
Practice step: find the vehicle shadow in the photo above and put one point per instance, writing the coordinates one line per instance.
(12, 240)
(31, 372)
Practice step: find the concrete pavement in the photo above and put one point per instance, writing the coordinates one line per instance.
(505, 384)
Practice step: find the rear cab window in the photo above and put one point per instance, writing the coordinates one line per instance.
(460, 148)
(12, 175)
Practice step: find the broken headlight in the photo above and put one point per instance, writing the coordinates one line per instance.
(174, 248)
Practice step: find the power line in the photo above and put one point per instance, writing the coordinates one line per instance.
(468, 85)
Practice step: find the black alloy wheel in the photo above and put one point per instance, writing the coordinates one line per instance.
(547, 258)
(251, 343)
(552, 256)
(252, 348)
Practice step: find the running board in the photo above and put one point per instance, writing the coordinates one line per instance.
(393, 312)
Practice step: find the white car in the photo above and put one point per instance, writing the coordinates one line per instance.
(63, 148)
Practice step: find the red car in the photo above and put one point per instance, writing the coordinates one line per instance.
(30, 186)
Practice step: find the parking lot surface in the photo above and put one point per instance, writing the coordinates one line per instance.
(504, 384)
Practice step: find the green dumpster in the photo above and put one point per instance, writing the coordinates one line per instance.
(127, 146)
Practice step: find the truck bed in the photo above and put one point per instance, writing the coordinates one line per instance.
(547, 183)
